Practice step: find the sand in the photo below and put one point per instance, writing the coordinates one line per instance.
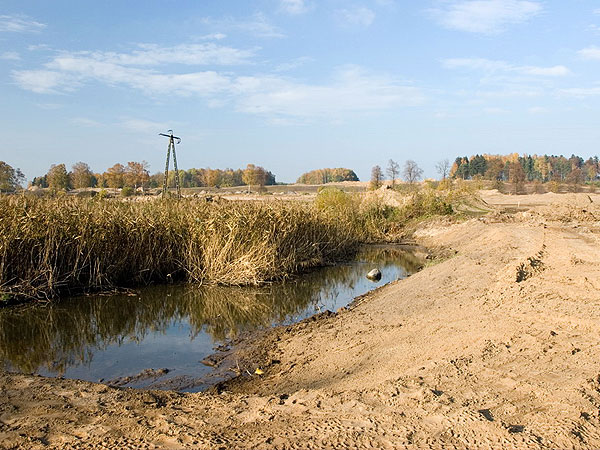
(495, 344)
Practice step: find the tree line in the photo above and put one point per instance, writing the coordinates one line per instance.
(136, 175)
(411, 173)
(323, 176)
(527, 168)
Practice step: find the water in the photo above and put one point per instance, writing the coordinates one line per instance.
(101, 338)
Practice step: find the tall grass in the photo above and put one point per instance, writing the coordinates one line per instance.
(52, 246)
(64, 245)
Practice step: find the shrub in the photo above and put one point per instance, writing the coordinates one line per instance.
(127, 191)
(553, 186)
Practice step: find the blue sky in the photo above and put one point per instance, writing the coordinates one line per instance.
(295, 85)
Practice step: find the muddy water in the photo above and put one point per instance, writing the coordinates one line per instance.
(111, 338)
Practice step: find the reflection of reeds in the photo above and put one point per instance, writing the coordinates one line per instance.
(59, 245)
(65, 333)
(391, 254)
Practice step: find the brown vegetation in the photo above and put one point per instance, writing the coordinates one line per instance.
(55, 245)
(52, 245)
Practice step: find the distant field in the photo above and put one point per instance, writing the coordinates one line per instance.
(282, 189)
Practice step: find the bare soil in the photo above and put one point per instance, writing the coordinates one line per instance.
(495, 344)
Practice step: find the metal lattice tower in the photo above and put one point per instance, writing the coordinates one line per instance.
(171, 146)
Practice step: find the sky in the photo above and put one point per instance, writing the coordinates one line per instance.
(296, 85)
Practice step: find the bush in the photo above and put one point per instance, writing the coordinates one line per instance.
(335, 199)
(127, 191)
(538, 187)
(553, 186)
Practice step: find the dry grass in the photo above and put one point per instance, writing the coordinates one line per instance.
(52, 246)
(65, 245)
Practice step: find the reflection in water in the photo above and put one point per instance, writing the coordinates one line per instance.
(66, 337)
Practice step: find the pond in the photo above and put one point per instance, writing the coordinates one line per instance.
(114, 338)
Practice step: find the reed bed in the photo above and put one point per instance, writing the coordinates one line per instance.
(57, 246)
(51, 246)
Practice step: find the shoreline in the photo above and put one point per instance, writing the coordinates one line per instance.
(230, 317)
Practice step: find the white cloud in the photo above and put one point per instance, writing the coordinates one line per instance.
(37, 47)
(43, 81)
(514, 90)
(20, 24)
(357, 16)
(213, 37)
(50, 106)
(144, 126)
(258, 25)
(589, 53)
(293, 64)
(293, 7)
(486, 16)
(580, 92)
(594, 28)
(68, 70)
(554, 71)
(189, 54)
(10, 56)
(492, 66)
(85, 122)
(351, 91)
(71, 72)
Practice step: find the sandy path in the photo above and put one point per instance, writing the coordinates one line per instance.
(460, 355)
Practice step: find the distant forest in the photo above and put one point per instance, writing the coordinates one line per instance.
(526, 168)
(135, 174)
(322, 176)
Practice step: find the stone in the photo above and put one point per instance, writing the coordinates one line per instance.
(374, 275)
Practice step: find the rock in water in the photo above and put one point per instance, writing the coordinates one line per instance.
(374, 275)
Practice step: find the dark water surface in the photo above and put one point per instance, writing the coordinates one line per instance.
(175, 327)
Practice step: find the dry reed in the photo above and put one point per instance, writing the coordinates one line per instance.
(52, 246)
(55, 246)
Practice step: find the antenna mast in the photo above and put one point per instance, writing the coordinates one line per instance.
(172, 143)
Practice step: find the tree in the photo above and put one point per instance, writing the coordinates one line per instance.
(136, 174)
(156, 180)
(115, 176)
(443, 168)
(81, 175)
(58, 178)
(212, 177)
(10, 179)
(495, 170)
(517, 177)
(412, 172)
(254, 176)
(477, 166)
(40, 181)
(100, 180)
(376, 177)
(463, 170)
(591, 169)
(576, 176)
(393, 169)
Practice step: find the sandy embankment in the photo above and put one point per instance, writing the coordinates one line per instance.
(460, 355)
